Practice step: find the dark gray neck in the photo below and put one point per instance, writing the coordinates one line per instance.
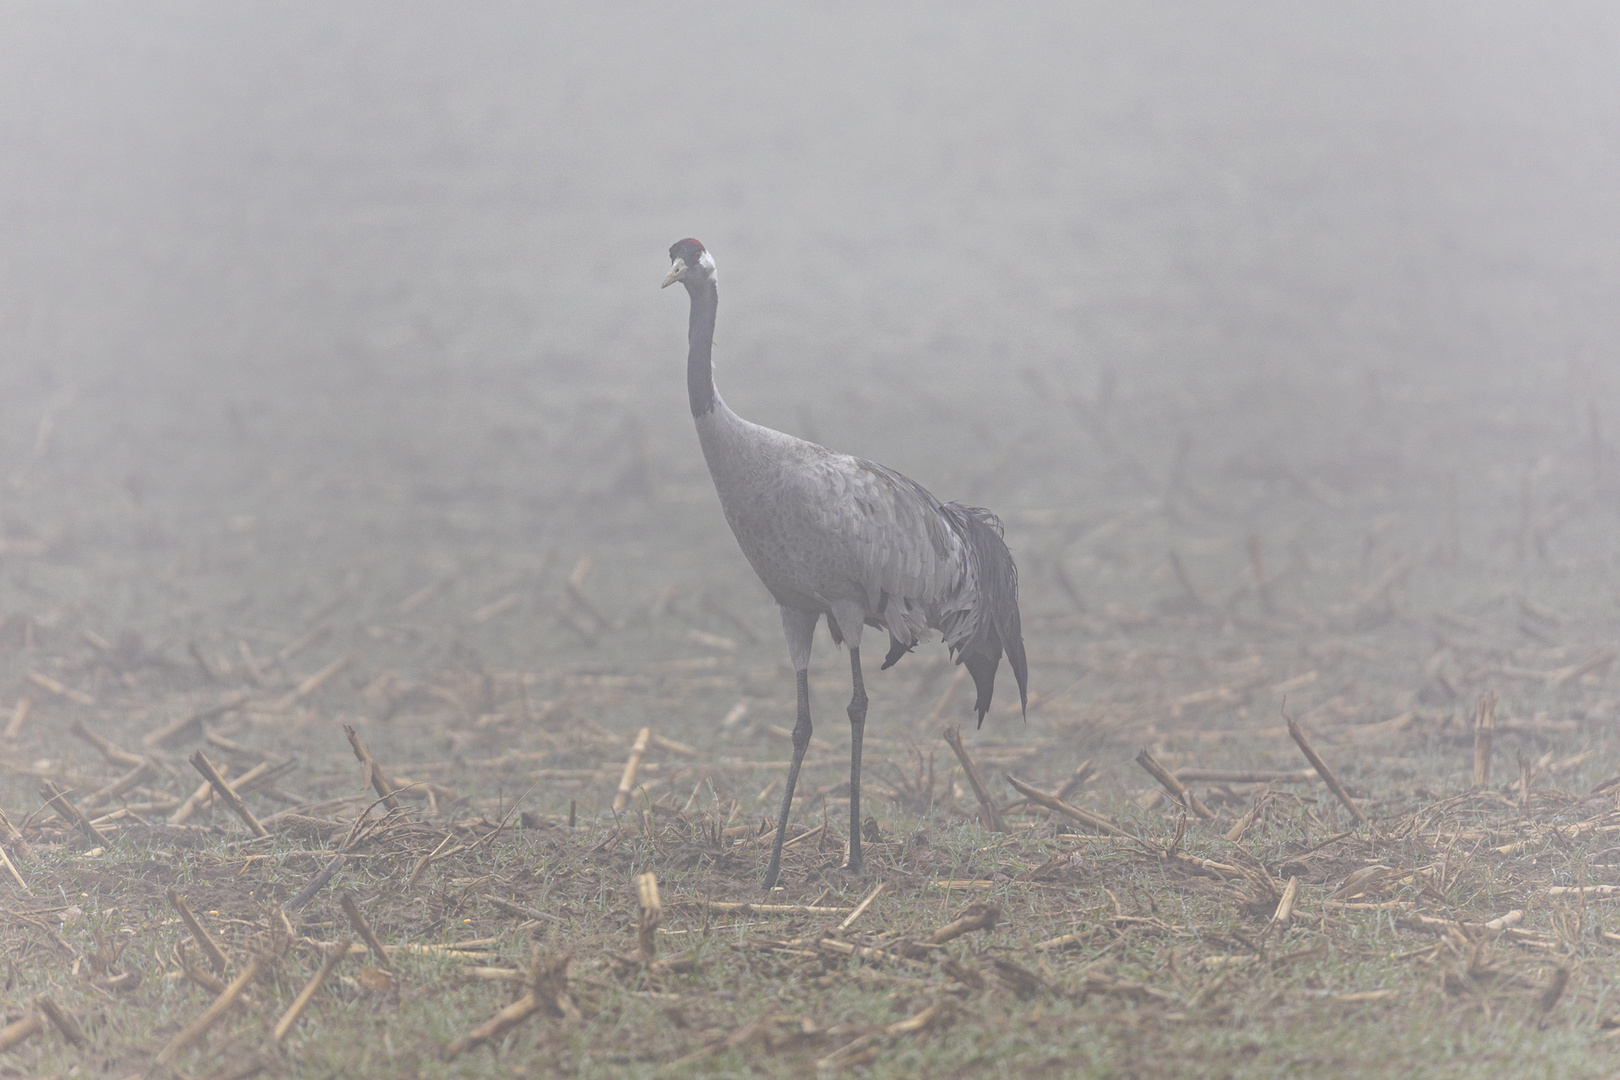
(700, 347)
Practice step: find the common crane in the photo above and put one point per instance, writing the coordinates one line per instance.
(835, 535)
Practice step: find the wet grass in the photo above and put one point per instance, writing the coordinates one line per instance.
(1176, 966)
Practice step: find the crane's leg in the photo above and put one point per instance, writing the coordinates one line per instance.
(857, 729)
(801, 740)
(800, 630)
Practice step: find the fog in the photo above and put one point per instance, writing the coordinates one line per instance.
(312, 301)
(342, 417)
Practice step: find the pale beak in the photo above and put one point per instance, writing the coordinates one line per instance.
(677, 271)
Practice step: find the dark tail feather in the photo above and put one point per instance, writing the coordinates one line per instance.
(1000, 628)
(1012, 639)
(983, 670)
(897, 649)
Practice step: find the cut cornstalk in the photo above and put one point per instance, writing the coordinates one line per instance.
(199, 933)
(311, 988)
(378, 779)
(211, 1015)
(992, 814)
(1484, 738)
(632, 765)
(1052, 802)
(363, 928)
(652, 915)
(1332, 781)
(200, 762)
(65, 808)
(1175, 787)
(20, 1031)
(862, 906)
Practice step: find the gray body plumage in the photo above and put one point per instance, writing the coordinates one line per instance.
(835, 535)
(838, 535)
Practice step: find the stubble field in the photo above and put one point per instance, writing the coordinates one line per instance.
(341, 418)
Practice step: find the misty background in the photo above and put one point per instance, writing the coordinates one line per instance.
(304, 298)
(337, 391)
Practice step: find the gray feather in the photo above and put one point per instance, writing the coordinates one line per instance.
(822, 528)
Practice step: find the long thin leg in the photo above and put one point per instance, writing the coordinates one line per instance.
(801, 741)
(857, 729)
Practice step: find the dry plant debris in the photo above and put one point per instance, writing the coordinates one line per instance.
(549, 855)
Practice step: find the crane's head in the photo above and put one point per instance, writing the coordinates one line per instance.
(690, 263)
